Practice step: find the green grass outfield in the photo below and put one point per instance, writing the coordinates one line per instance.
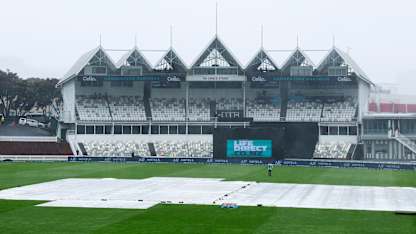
(24, 217)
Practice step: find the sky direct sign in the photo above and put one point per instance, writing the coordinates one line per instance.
(249, 148)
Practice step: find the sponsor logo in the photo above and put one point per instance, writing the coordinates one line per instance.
(249, 148)
(246, 145)
(152, 160)
(220, 160)
(216, 78)
(89, 78)
(258, 79)
(290, 163)
(255, 162)
(173, 78)
(344, 79)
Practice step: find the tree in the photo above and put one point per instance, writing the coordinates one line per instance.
(45, 94)
(25, 98)
(8, 89)
(22, 95)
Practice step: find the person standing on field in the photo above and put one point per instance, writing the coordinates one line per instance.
(269, 169)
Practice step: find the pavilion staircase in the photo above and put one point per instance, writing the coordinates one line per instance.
(147, 108)
(152, 149)
(406, 141)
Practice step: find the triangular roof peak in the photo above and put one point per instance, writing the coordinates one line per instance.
(171, 62)
(262, 62)
(337, 57)
(216, 54)
(96, 55)
(297, 58)
(133, 57)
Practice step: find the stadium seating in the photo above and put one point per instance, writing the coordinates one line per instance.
(127, 108)
(168, 109)
(183, 148)
(93, 108)
(331, 150)
(199, 109)
(321, 109)
(261, 111)
(229, 104)
(304, 110)
(116, 148)
(339, 111)
(164, 148)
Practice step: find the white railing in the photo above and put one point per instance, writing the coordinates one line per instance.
(29, 138)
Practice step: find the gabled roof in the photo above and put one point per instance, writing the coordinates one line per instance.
(336, 57)
(133, 58)
(297, 58)
(83, 61)
(262, 62)
(171, 62)
(217, 45)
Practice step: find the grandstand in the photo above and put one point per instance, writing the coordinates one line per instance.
(171, 100)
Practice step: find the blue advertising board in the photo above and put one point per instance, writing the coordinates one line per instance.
(284, 162)
(243, 148)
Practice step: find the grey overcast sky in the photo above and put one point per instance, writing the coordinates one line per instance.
(43, 38)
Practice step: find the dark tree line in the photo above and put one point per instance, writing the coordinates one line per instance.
(19, 95)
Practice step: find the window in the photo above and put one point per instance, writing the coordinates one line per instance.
(145, 129)
(343, 130)
(337, 71)
(89, 129)
(163, 129)
(95, 70)
(81, 129)
(132, 71)
(117, 129)
(155, 129)
(99, 129)
(353, 130)
(207, 129)
(324, 130)
(108, 129)
(173, 129)
(126, 129)
(194, 129)
(182, 129)
(333, 130)
(301, 71)
(136, 130)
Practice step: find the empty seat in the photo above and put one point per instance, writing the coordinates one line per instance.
(331, 150)
(199, 109)
(168, 109)
(127, 108)
(92, 108)
(116, 148)
(261, 111)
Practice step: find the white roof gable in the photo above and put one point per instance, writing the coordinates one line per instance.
(347, 60)
(266, 57)
(297, 50)
(127, 55)
(216, 38)
(82, 62)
